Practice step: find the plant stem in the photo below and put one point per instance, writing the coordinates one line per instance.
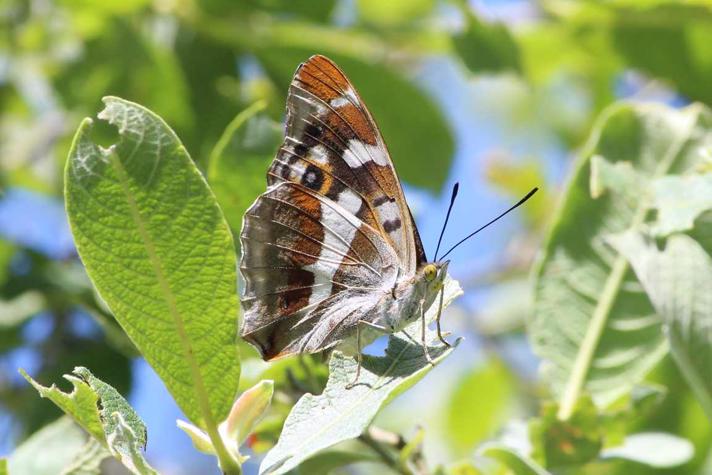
(389, 459)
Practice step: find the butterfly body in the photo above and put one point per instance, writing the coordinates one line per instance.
(331, 256)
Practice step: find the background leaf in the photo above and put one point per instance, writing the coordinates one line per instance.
(59, 443)
(88, 459)
(469, 423)
(159, 252)
(680, 200)
(239, 162)
(593, 326)
(518, 464)
(678, 280)
(338, 414)
(487, 47)
(656, 450)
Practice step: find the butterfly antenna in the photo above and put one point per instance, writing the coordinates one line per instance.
(455, 188)
(518, 204)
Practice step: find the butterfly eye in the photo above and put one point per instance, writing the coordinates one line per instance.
(430, 271)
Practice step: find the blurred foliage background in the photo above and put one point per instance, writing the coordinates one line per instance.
(498, 95)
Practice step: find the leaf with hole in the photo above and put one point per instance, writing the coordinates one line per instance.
(160, 253)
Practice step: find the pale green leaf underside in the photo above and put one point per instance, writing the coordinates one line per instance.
(126, 444)
(678, 279)
(655, 449)
(592, 322)
(680, 200)
(59, 443)
(159, 252)
(111, 402)
(88, 460)
(338, 414)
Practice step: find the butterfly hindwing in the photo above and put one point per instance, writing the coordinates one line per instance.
(303, 257)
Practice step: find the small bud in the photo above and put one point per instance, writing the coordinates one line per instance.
(247, 411)
(200, 439)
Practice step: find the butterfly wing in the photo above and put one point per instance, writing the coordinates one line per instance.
(333, 232)
(332, 143)
(311, 270)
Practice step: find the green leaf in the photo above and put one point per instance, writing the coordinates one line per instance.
(516, 462)
(82, 404)
(126, 442)
(159, 252)
(105, 414)
(58, 443)
(239, 162)
(414, 128)
(680, 200)
(338, 414)
(393, 12)
(567, 443)
(670, 41)
(17, 310)
(88, 460)
(591, 324)
(678, 280)
(487, 47)
(112, 402)
(471, 420)
(655, 449)
(3, 466)
(328, 461)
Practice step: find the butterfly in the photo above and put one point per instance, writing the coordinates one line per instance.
(331, 256)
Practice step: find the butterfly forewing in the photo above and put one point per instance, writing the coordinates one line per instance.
(334, 147)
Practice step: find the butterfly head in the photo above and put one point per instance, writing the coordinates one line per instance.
(434, 274)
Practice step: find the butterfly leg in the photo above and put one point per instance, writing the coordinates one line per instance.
(437, 319)
(423, 326)
(359, 356)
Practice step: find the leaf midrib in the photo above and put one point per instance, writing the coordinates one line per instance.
(597, 324)
(188, 354)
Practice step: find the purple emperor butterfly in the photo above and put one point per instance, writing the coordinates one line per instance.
(331, 256)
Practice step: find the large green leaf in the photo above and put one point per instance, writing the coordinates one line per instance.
(338, 414)
(678, 280)
(159, 252)
(414, 128)
(239, 162)
(595, 329)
